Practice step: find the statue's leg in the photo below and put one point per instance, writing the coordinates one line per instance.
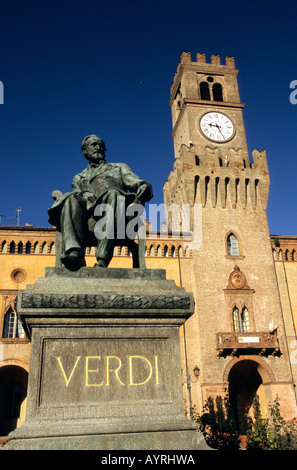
(105, 245)
(73, 225)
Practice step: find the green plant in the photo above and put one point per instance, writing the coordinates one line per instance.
(258, 431)
(272, 434)
(242, 422)
(222, 422)
(218, 424)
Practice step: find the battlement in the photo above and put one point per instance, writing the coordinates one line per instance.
(202, 67)
(186, 58)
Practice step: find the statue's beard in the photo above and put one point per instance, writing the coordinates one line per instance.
(96, 158)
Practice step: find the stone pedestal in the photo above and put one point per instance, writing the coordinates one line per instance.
(105, 368)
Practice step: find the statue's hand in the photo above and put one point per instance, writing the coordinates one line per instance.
(57, 194)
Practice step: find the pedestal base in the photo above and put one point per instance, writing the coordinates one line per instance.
(105, 370)
(166, 440)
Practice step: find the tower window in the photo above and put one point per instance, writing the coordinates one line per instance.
(204, 91)
(241, 320)
(232, 245)
(217, 92)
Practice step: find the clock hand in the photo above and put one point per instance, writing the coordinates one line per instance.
(219, 127)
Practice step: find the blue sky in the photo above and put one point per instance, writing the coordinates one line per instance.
(73, 67)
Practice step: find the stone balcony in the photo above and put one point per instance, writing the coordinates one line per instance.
(238, 343)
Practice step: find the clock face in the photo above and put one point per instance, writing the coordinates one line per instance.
(216, 126)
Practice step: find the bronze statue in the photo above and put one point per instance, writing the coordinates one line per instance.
(100, 183)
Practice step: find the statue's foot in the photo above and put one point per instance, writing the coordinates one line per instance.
(100, 264)
(73, 261)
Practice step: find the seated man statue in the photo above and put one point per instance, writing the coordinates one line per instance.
(100, 183)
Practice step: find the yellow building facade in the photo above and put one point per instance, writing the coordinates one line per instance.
(242, 335)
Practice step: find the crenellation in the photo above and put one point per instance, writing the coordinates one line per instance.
(200, 58)
(215, 59)
(260, 159)
(230, 62)
(185, 57)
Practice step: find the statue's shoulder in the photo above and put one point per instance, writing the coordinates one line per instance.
(80, 175)
(122, 166)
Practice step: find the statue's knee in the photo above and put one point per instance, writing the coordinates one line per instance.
(74, 202)
(112, 197)
(114, 193)
(70, 200)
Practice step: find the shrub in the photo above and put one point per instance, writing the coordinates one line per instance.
(217, 423)
(272, 434)
(221, 426)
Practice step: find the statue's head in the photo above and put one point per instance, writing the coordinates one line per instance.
(93, 148)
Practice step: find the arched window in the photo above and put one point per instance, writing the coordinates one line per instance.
(204, 91)
(166, 251)
(12, 247)
(232, 245)
(28, 248)
(217, 92)
(241, 320)
(12, 326)
(173, 252)
(20, 248)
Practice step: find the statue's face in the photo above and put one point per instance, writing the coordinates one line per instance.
(95, 149)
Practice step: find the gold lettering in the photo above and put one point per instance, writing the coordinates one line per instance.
(157, 370)
(131, 373)
(113, 370)
(113, 367)
(67, 380)
(87, 370)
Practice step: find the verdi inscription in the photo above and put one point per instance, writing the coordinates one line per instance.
(95, 371)
(97, 368)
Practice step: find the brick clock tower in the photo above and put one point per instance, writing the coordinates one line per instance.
(236, 336)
